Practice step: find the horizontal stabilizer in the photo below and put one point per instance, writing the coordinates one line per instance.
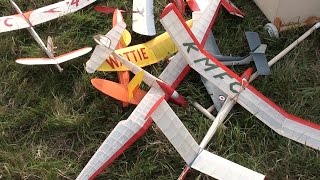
(233, 60)
(50, 45)
(56, 60)
(220, 168)
(107, 45)
(117, 91)
(212, 48)
(258, 53)
(253, 40)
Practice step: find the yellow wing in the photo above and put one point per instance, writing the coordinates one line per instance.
(143, 54)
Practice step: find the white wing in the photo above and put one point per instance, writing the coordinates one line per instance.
(56, 60)
(41, 15)
(143, 18)
(122, 136)
(107, 45)
(220, 168)
(263, 108)
(190, 151)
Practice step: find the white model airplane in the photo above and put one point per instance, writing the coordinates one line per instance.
(229, 102)
(31, 18)
(238, 89)
(128, 131)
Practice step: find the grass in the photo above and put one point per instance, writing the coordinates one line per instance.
(51, 123)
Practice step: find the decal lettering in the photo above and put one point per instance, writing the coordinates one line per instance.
(144, 53)
(6, 22)
(209, 65)
(191, 46)
(232, 87)
(221, 75)
(139, 54)
(53, 10)
(75, 2)
(135, 55)
(127, 56)
(113, 62)
(212, 66)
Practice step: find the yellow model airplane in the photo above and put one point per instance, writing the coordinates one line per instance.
(143, 54)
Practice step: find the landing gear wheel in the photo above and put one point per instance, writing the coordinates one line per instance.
(272, 30)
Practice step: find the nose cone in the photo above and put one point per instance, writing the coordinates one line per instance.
(174, 95)
(181, 101)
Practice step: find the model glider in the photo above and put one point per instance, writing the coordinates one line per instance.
(239, 90)
(32, 18)
(41, 15)
(128, 131)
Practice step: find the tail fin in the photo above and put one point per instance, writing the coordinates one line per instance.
(126, 36)
(56, 60)
(107, 44)
(50, 45)
(258, 53)
(134, 84)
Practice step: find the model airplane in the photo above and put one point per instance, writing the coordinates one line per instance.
(31, 18)
(272, 115)
(236, 88)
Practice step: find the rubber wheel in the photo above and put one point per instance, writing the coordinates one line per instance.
(272, 30)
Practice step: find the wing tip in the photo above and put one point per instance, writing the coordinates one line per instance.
(167, 9)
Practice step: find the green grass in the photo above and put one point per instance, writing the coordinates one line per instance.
(52, 123)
